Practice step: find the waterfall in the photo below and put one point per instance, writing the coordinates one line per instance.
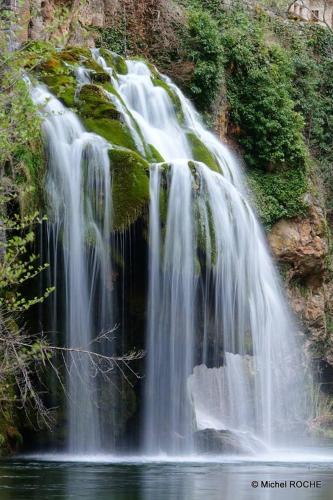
(221, 350)
(171, 315)
(79, 203)
(221, 347)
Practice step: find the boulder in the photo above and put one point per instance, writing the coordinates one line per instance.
(216, 442)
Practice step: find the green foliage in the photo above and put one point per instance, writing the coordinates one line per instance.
(315, 100)
(21, 155)
(310, 48)
(114, 38)
(270, 94)
(202, 43)
(259, 88)
(17, 263)
(279, 194)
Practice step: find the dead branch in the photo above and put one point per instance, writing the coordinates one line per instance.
(24, 357)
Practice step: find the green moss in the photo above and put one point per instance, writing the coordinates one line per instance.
(201, 152)
(101, 116)
(114, 61)
(75, 54)
(95, 103)
(30, 182)
(54, 65)
(203, 233)
(82, 56)
(63, 87)
(155, 155)
(279, 194)
(100, 77)
(158, 82)
(113, 131)
(130, 187)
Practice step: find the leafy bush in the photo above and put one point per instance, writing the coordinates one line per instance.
(259, 89)
(279, 194)
(202, 45)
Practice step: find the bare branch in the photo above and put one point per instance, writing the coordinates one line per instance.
(24, 357)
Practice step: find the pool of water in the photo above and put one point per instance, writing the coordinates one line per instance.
(101, 478)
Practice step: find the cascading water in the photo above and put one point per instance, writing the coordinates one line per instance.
(221, 347)
(214, 296)
(79, 199)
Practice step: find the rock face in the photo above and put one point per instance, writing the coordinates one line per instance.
(301, 248)
(145, 27)
(70, 21)
(302, 245)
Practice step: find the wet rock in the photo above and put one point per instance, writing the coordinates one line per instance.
(215, 442)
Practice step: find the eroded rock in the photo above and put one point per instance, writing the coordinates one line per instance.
(302, 250)
(301, 243)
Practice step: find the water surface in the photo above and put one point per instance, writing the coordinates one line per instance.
(129, 480)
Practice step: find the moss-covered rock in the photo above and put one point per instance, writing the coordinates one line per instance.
(75, 54)
(59, 77)
(99, 77)
(154, 155)
(114, 61)
(63, 87)
(101, 116)
(201, 152)
(113, 131)
(158, 82)
(130, 187)
(95, 103)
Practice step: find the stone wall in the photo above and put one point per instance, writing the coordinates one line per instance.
(314, 10)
